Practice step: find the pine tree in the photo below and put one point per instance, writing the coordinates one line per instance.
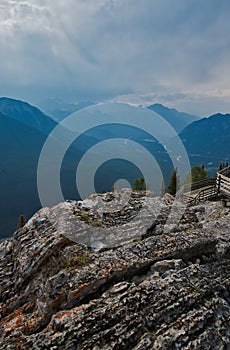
(220, 166)
(139, 185)
(142, 184)
(197, 174)
(172, 187)
(21, 221)
(203, 173)
(136, 185)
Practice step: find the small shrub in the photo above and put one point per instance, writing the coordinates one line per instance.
(21, 221)
(96, 223)
(77, 260)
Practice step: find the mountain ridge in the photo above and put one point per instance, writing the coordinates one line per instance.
(59, 109)
(178, 120)
(21, 145)
(209, 137)
(26, 113)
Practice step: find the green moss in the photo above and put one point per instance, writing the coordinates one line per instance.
(116, 295)
(146, 330)
(77, 260)
(96, 223)
(91, 221)
(86, 217)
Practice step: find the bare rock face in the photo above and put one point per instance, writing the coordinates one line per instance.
(160, 286)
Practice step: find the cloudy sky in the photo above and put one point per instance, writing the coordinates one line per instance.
(176, 52)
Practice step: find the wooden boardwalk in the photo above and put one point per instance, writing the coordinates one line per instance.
(209, 189)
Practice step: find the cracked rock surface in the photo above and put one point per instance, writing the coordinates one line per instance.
(160, 286)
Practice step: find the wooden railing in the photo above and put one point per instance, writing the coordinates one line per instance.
(225, 171)
(205, 194)
(199, 184)
(209, 188)
(223, 182)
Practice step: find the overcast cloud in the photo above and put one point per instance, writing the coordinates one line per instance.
(175, 52)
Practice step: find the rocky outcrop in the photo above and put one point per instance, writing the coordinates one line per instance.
(160, 286)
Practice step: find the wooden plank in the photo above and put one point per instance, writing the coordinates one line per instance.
(223, 177)
(209, 188)
(223, 182)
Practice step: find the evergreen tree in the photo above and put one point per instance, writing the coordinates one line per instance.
(203, 173)
(197, 174)
(172, 187)
(136, 185)
(21, 221)
(220, 166)
(142, 184)
(139, 185)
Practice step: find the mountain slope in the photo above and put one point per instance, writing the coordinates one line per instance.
(20, 147)
(27, 114)
(59, 109)
(208, 139)
(178, 120)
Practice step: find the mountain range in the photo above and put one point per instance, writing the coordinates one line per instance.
(24, 129)
(59, 109)
(178, 120)
(208, 139)
(25, 113)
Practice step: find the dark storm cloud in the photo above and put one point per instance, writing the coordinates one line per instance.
(120, 49)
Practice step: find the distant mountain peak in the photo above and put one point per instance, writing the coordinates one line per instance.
(59, 109)
(26, 113)
(208, 139)
(178, 120)
(219, 115)
(159, 105)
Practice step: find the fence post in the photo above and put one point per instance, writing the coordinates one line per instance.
(218, 183)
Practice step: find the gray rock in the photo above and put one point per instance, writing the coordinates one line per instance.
(164, 265)
(164, 291)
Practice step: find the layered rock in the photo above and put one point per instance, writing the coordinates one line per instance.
(155, 286)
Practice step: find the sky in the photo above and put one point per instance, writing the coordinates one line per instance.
(174, 52)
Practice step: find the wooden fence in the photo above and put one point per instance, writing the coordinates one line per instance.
(223, 182)
(208, 188)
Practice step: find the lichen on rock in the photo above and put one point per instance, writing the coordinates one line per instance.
(155, 286)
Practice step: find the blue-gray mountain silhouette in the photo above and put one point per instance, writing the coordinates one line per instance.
(178, 120)
(59, 109)
(20, 146)
(208, 140)
(24, 129)
(27, 114)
